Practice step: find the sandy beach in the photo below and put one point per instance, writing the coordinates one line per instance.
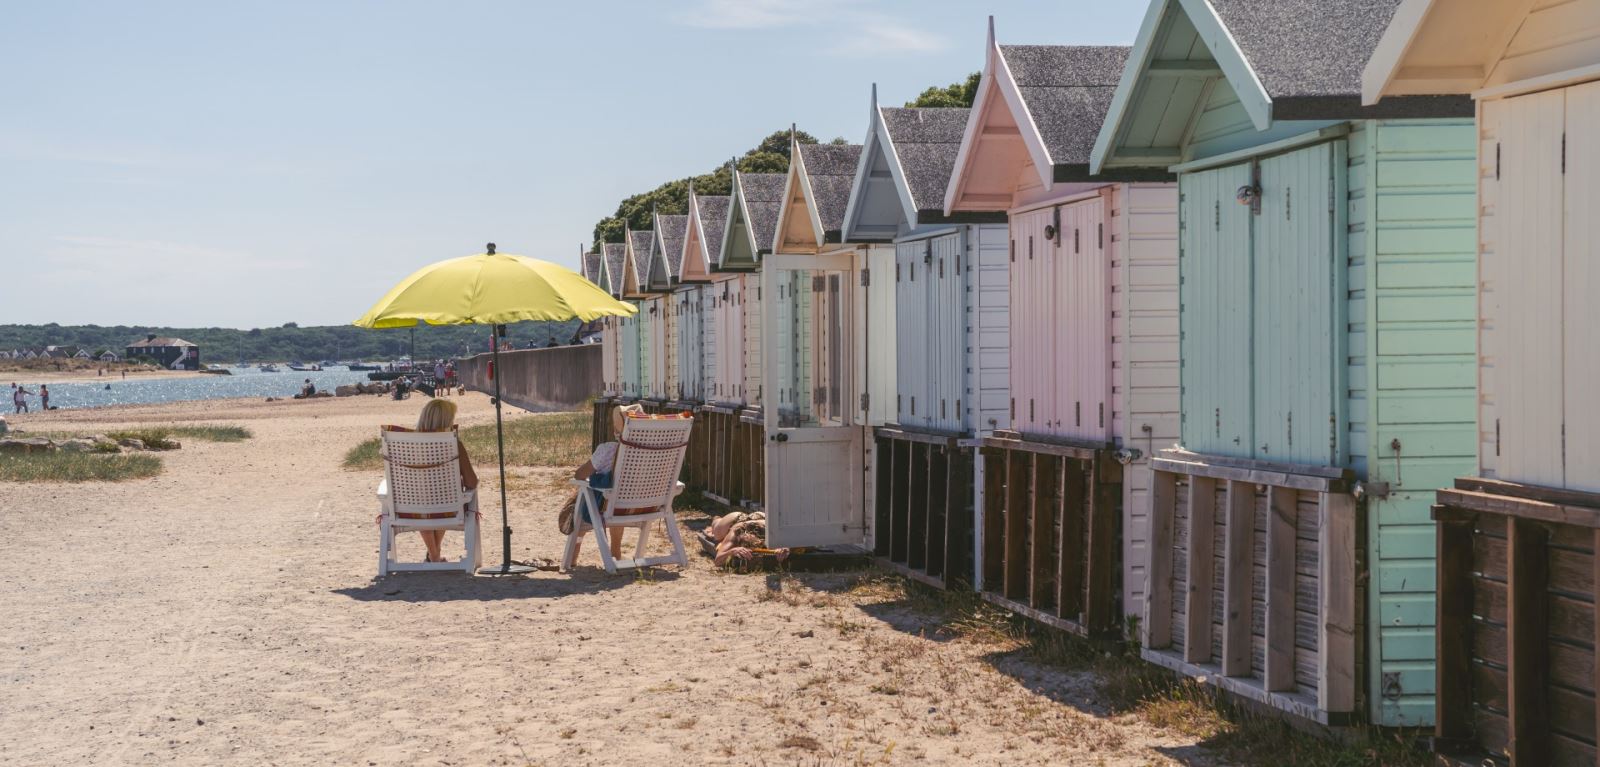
(227, 612)
(31, 378)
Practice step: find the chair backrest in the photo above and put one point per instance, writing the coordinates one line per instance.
(648, 461)
(423, 470)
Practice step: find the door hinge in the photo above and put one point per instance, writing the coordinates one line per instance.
(818, 284)
(1497, 437)
(1563, 153)
(1030, 247)
(866, 277)
(1497, 161)
(866, 402)
(1331, 192)
(897, 271)
(1077, 240)
(1013, 251)
(1100, 235)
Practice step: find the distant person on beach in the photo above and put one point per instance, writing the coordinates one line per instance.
(44, 398)
(438, 372)
(19, 398)
(308, 389)
(440, 415)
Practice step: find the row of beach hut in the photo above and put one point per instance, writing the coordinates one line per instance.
(1264, 340)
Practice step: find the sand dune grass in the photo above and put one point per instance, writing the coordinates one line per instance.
(546, 439)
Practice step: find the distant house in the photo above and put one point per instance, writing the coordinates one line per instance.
(173, 353)
(106, 355)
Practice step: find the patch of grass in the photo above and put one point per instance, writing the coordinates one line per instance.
(61, 466)
(163, 437)
(546, 439)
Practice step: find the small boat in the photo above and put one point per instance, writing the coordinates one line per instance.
(385, 375)
(268, 368)
(330, 364)
(361, 366)
(303, 368)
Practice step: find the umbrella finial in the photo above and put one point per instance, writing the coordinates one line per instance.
(491, 248)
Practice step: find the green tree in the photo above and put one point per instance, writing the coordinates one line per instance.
(957, 95)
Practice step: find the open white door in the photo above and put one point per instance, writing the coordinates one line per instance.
(814, 460)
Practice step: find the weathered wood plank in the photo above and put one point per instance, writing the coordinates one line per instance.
(937, 478)
(1019, 470)
(1337, 580)
(1158, 585)
(1197, 607)
(1529, 492)
(1065, 448)
(1238, 566)
(1070, 567)
(1452, 675)
(1582, 516)
(1528, 673)
(1044, 511)
(917, 505)
(1282, 510)
(994, 520)
(1101, 559)
(900, 502)
(883, 496)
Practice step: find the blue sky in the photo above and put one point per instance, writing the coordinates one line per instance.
(243, 164)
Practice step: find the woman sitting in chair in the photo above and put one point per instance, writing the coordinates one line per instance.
(437, 416)
(600, 465)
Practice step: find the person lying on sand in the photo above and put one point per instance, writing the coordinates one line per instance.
(739, 535)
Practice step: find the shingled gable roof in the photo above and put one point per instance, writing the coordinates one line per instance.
(592, 267)
(666, 260)
(713, 211)
(763, 196)
(756, 200)
(614, 259)
(638, 261)
(1042, 104)
(919, 146)
(708, 221)
(1284, 59)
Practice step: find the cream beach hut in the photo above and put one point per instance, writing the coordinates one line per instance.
(1325, 325)
(644, 328)
(818, 295)
(706, 289)
(1091, 267)
(736, 475)
(947, 383)
(1516, 532)
(666, 261)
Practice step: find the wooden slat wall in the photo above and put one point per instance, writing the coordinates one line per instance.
(1517, 672)
(1253, 586)
(924, 514)
(1052, 538)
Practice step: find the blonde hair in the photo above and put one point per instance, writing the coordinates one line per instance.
(437, 415)
(619, 416)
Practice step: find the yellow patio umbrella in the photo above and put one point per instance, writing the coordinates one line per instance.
(493, 289)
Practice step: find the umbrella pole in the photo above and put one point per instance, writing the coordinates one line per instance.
(505, 568)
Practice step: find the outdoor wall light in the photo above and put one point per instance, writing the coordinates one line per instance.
(1249, 194)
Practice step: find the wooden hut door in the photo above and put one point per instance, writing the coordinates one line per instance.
(1214, 311)
(1581, 283)
(1081, 309)
(1032, 326)
(911, 352)
(814, 460)
(1522, 279)
(1294, 284)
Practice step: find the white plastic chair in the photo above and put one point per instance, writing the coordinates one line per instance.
(645, 480)
(421, 490)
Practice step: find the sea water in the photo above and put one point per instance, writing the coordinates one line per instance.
(115, 390)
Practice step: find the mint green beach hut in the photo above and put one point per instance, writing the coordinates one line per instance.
(1326, 320)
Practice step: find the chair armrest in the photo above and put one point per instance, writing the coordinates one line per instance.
(383, 488)
(581, 483)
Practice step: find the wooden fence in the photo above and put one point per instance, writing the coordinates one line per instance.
(923, 524)
(1517, 631)
(1052, 532)
(1252, 580)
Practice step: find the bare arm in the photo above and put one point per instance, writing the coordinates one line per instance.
(585, 471)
